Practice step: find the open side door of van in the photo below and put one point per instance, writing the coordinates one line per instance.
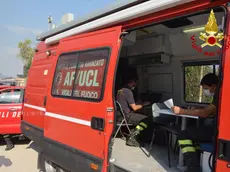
(77, 121)
(223, 143)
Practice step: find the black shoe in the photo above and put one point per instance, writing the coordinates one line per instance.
(9, 144)
(9, 147)
(132, 142)
(194, 169)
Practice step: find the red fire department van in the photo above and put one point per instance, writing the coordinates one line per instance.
(10, 109)
(69, 106)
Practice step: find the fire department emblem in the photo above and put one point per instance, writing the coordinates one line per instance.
(212, 37)
(58, 79)
(58, 82)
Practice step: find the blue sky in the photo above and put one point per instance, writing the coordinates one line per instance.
(27, 18)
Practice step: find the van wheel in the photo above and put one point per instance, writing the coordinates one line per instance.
(48, 166)
(61, 170)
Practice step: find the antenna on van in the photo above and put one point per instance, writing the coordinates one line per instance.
(50, 20)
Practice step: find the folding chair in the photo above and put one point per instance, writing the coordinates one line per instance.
(123, 121)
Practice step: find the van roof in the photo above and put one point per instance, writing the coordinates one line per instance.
(117, 6)
(112, 15)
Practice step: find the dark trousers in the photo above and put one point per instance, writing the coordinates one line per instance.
(189, 140)
(8, 140)
(136, 118)
(145, 124)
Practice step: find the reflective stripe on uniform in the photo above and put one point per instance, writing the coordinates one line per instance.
(143, 124)
(185, 142)
(188, 149)
(139, 128)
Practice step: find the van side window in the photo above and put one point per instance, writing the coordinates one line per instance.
(64, 75)
(81, 74)
(10, 96)
(193, 73)
(90, 74)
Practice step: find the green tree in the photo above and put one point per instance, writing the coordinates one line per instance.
(193, 76)
(26, 53)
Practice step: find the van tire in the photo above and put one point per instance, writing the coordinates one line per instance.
(45, 165)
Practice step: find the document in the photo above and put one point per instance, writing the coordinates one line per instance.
(169, 103)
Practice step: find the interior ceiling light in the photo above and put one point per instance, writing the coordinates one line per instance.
(194, 29)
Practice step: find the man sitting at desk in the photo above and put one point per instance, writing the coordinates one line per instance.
(203, 134)
(126, 99)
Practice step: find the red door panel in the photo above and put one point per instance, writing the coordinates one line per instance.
(10, 118)
(223, 149)
(68, 120)
(10, 112)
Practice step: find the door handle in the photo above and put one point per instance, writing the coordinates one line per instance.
(224, 150)
(13, 109)
(45, 100)
(97, 123)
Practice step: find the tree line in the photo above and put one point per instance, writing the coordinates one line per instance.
(26, 53)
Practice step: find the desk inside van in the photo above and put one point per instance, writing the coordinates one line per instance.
(169, 112)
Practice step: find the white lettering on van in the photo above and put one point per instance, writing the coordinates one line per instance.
(82, 78)
(10, 115)
(95, 83)
(66, 92)
(19, 114)
(94, 63)
(85, 78)
(77, 93)
(14, 114)
(4, 114)
(89, 81)
(88, 94)
(69, 78)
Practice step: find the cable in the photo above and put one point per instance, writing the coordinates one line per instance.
(209, 161)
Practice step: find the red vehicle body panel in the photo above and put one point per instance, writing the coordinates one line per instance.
(224, 119)
(36, 88)
(10, 115)
(82, 137)
(3, 87)
(79, 108)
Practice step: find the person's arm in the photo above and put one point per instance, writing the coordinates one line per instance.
(205, 112)
(131, 101)
(135, 107)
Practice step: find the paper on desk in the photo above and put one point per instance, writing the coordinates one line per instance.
(169, 103)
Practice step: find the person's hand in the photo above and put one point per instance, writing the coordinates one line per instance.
(176, 109)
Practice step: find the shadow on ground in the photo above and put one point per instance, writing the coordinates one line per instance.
(5, 161)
